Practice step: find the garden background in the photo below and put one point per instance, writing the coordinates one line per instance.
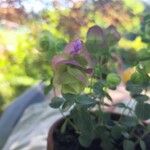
(32, 31)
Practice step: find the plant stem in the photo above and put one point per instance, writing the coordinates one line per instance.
(140, 138)
(74, 126)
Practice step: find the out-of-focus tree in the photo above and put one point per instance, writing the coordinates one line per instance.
(78, 15)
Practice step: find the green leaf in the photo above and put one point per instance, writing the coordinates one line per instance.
(69, 97)
(98, 88)
(81, 60)
(78, 74)
(85, 140)
(142, 145)
(113, 79)
(116, 131)
(56, 102)
(134, 88)
(69, 101)
(105, 136)
(99, 130)
(74, 88)
(66, 78)
(128, 145)
(85, 100)
(146, 65)
(142, 110)
(67, 104)
(83, 120)
(129, 121)
(129, 57)
(141, 97)
(107, 144)
(137, 78)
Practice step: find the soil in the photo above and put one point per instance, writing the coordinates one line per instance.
(69, 140)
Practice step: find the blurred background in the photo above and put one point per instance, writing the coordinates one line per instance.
(32, 31)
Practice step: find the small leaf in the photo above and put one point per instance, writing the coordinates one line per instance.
(99, 130)
(137, 78)
(128, 145)
(85, 100)
(105, 136)
(116, 132)
(134, 88)
(69, 101)
(83, 120)
(56, 102)
(98, 88)
(107, 144)
(142, 145)
(141, 97)
(69, 97)
(85, 140)
(129, 121)
(142, 110)
(67, 104)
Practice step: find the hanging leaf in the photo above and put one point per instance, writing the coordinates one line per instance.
(56, 102)
(128, 145)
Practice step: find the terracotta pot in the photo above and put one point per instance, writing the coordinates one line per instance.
(50, 140)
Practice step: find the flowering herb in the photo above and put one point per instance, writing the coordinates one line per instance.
(91, 65)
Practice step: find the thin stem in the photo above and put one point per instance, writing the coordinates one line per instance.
(140, 138)
(74, 126)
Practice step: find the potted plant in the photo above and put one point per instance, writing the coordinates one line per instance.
(83, 74)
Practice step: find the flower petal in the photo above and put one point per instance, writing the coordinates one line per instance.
(74, 47)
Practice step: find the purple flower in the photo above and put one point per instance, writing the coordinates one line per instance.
(74, 47)
(77, 46)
